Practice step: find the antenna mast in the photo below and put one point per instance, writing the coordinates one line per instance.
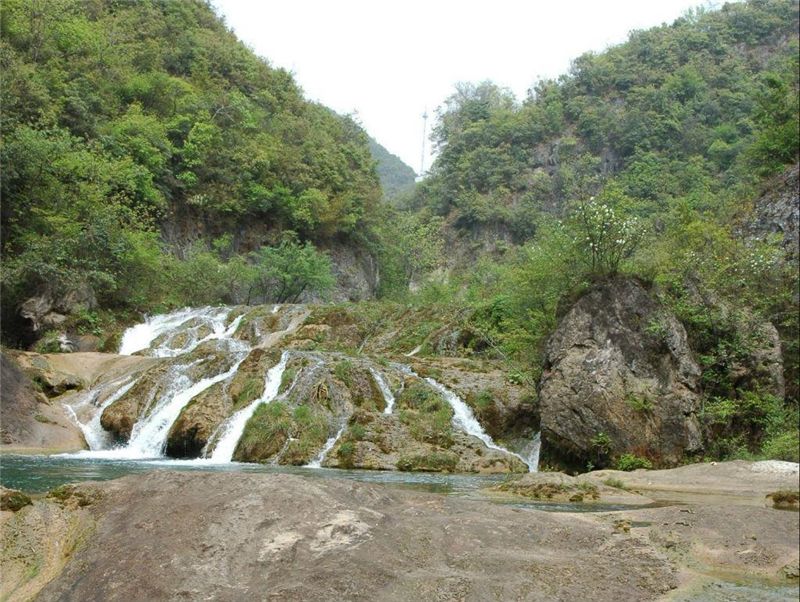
(424, 135)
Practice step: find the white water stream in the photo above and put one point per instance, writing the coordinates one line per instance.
(388, 396)
(231, 430)
(464, 419)
(317, 462)
(96, 437)
(533, 456)
(141, 337)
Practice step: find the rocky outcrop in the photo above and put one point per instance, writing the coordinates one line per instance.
(356, 273)
(619, 378)
(777, 212)
(28, 420)
(559, 487)
(48, 311)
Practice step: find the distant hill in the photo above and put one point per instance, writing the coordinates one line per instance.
(395, 176)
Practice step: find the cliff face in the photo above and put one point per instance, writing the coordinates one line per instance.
(355, 269)
(777, 211)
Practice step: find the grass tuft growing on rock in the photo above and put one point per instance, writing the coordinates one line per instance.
(443, 461)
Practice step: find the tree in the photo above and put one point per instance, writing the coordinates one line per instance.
(285, 272)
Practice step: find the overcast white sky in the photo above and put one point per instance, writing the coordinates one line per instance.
(388, 62)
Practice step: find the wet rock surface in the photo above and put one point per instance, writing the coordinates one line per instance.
(233, 537)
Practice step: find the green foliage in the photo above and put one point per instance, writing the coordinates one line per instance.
(426, 414)
(639, 404)
(123, 118)
(604, 236)
(628, 462)
(344, 372)
(616, 483)
(783, 446)
(749, 425)
(283, 273)
(346, 454)
(777, 137)
(601, 442)
(396, 177)
(681, 110)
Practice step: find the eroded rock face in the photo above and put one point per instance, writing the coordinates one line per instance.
(28, 420)
(777, 211)
(208, 359)
(619, 378)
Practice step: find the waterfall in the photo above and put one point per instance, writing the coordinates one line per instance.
(533, 456)
(317, 462)
(388, 397)
(232, 429)
(150, 433)
(168, 326)
(463, 418)
(93, 432)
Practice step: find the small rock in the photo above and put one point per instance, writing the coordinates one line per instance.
(13, 500)
(791, 570)
(622, 526)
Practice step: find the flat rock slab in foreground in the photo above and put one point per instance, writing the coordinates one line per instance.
(204, 536)
(233, 536)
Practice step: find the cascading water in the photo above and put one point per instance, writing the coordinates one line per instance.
(149, 437)
(232, 429)
(93, 432)
(533, 456)
(388, 397)
(168, 327)
(463, 418)
(317, 462)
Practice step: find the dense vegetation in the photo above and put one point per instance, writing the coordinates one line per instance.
(130, 125)
(150, 160)
(643, 160)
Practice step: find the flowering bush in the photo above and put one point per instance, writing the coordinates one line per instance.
(604, 236)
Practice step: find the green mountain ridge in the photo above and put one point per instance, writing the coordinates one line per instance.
(396, 177)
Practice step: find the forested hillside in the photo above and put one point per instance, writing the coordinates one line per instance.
(396, 177)
(135, 135)
(686, 110)
(654, 160)
(150, 160)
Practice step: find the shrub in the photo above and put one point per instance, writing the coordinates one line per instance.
(344, 372)
(601, 442)
(639, 404)
(783, 446)
(628, 462)
(346, 453)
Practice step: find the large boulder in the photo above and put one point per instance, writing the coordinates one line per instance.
(619, 378)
